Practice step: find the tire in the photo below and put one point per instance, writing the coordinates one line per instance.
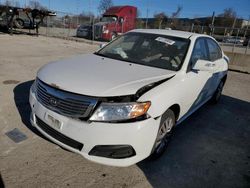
(164, 134)
(19, 23)
(113, 36)
(217, 94)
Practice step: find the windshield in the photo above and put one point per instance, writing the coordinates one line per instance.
(153, 50)
(108, 19)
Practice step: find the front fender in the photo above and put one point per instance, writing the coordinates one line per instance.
(164, 96)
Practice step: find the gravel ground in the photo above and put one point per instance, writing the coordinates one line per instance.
(209, 149)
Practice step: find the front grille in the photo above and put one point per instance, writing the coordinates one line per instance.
(63, 102)
(58, 136)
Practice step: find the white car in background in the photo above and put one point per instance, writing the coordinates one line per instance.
(119, 105)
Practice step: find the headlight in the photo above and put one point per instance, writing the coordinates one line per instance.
(33, 87)
(106, 31)
(120, 111)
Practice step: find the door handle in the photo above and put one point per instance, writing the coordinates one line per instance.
(210, 65)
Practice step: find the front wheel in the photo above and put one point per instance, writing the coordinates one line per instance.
(164, 134)
(113, 36)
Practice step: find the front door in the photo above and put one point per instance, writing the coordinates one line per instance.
(197, 83)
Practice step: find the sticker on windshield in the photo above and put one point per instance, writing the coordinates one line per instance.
(165, 40)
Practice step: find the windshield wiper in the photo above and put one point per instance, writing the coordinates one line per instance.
(121, 59)
(96, 53)
(130, 61)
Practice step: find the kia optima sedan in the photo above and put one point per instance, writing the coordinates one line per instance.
(120, 104)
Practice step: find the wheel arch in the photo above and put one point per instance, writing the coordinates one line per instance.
(224, 78)
(176, 109)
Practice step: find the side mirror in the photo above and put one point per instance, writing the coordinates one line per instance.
(102, 45)
(121, 20)
(203, 65)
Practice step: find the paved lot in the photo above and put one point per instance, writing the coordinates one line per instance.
(209, 149)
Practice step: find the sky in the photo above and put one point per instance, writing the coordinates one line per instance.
(191, 8)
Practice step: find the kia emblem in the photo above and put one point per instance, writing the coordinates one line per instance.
(53, 101)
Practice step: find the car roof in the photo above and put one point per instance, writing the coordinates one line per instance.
(174, 33)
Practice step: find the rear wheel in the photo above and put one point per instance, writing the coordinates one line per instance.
(164, 134)
(113, 36)
(19, 23)
(216, 97)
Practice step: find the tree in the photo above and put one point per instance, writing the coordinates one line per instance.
(228, 13)
(36, 5)
(104, 5)
(176, 14)
(17, 4)
(8, 3)
(174, 21)
(160, 17)
(227, 19)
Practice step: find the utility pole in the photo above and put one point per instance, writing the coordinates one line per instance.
(213, 18)
(147, 15)
(47, 20)
(212, 24)
(89, 12)
(77, 14)
(147, 19)
(233, 25)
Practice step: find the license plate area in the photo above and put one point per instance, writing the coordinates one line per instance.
(53, 122)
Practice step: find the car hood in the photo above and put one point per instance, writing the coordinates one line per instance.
(102, 23)
(94, 75)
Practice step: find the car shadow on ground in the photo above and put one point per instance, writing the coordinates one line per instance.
(209, 149)
(1, 181)
(21, 97)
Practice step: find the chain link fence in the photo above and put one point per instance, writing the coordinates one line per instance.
(70, 26)
(65, 25)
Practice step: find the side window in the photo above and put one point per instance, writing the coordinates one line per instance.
(199, 51)
(214, 50)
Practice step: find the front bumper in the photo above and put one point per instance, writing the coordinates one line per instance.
(139, 135)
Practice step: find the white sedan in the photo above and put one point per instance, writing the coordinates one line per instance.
(119, 105)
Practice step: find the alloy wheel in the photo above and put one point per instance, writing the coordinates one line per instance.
(219, 91)
(164, 134)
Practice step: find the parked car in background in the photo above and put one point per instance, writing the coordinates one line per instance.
(24, 24)
(121, 104)
(234, 40)
(246, 41)
(84, 31)
(116, 20)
